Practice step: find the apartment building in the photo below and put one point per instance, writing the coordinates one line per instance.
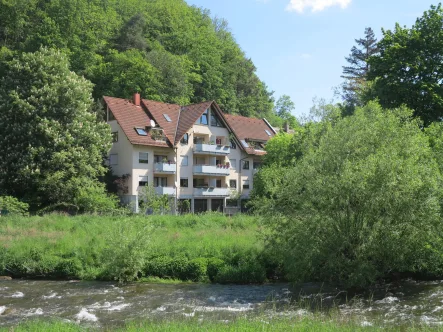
(195, 152)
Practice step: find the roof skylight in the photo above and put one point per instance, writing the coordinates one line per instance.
(267, 132)
(141, 131)
(167, 117)
(243, 142)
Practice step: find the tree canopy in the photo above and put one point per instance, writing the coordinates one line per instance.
(409, 68)
(360, 200)
(52, 143)
(167, 50)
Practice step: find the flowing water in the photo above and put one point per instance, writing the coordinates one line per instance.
(104, 304)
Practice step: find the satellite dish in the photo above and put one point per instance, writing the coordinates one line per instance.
(152, 123)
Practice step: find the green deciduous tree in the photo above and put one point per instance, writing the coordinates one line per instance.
(365, 203)
(51, 142)
(409, 68)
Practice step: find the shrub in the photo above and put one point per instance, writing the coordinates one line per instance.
(197, 269)
(246, 272)
(214, 266)
(13, 206)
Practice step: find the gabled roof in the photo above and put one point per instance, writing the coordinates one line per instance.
(130, 117)
(250, 129)
(188, 115)
(157, 110)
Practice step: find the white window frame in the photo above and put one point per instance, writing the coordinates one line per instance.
(140, 154)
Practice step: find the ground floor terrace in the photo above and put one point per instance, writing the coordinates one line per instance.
(183, 205)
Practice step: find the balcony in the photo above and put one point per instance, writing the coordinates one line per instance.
(211, 191)
(165, 168)
(170, 191)
(212, 170)
(212, 149)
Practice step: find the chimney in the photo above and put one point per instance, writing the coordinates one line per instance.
(286, 127)
(136, 99)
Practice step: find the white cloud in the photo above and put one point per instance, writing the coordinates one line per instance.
(315, 5)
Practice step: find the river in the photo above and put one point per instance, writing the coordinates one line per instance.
(104, 304)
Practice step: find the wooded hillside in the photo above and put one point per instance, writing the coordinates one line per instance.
(165, 49)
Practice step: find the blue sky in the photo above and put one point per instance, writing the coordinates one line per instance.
(299, 46)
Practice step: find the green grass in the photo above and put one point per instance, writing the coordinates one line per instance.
(191, 247)
(308, 324)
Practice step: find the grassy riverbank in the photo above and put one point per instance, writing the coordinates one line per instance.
(208, 247)
(261, 324)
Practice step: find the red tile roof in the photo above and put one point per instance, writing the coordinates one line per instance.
(157, 109)
(188, 115)
(130, 117)
(249, 129)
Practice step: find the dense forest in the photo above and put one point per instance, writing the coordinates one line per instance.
(165, 49)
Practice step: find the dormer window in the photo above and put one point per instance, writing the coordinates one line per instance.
(157, 134)
(203, 120)
(141, 131)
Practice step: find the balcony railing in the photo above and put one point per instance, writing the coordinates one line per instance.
(164, 168)
(222, 170)
(212, 149)
(225, 192)
(165, 191)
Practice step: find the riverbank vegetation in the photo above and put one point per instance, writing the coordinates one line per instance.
(309, 324)
(356, 199)
(206, 248)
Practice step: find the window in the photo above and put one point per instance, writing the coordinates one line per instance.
(199, 161)
(245, 164)
(203, 120)
(198, 183)
(184, 161)
(184, 183)
(218, 183)
(143, 157)
(142, 181)
(141, 131)
(215, 121)
(167, 118)
(233, 163)
(246, 184)
(200, 205)
(256, 164)
(160, 158)
(185, 139)
(160, 182)
(233, 145)
(233, 183)
(111, 116)
(113, 159)
(115, 136)
(199, 140)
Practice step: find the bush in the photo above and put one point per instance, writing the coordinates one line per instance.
(246, 272)
(214, 266)
(12, 205)
(365, 203)
(197, 269)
